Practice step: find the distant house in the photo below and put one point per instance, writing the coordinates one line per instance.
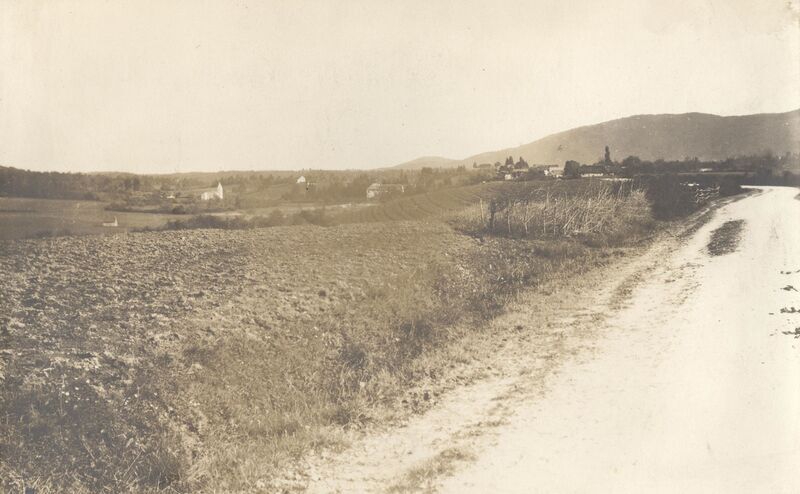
(512, 171)
(378, 189)
(553, 171)
(112, 224)
(301, 180)
(592, 171)
(209, 194)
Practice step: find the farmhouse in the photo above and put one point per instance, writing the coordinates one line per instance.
(511, 170)
(301, 180)
(592, 171)
(209, 194)
(378, 189)
(554, 171)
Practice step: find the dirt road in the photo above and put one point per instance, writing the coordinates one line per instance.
(682, 374)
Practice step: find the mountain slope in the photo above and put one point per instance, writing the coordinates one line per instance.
(429, 162)
(667, 136)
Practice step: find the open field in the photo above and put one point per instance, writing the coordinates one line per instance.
(208, 359)
(36, 218)
(444, 202)
(153, 335)
(25, 218)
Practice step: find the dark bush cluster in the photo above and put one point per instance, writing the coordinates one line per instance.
(669, 196)
(229, 222)
(675, 196)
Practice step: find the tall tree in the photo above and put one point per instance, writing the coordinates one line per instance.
(572, 169)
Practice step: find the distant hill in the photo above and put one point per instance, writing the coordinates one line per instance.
(429, 162)
(650, 137)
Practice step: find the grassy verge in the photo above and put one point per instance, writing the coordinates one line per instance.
(266, 398)
(238, 222)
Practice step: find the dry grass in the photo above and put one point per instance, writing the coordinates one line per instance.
(608, 210)
(442, 203)
(725, 239)
(423, 477)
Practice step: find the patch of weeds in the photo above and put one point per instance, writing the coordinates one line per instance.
(422, 477)
(725, 239)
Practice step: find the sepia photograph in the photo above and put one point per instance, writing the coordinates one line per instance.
(420, 246)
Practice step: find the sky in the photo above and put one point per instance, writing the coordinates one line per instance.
(169, 85)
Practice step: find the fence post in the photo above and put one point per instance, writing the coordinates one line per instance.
(509, 212)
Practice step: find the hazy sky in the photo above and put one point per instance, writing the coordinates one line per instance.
(166, 85)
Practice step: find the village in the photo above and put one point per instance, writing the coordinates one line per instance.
(251, 192)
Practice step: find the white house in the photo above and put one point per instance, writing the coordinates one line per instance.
(212, 193)
(553, 171)
(301, 180)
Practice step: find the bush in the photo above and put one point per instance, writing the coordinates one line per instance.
(275, 218)
(54, 232)
(669, 197)
(315, 216)
(729, 186)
